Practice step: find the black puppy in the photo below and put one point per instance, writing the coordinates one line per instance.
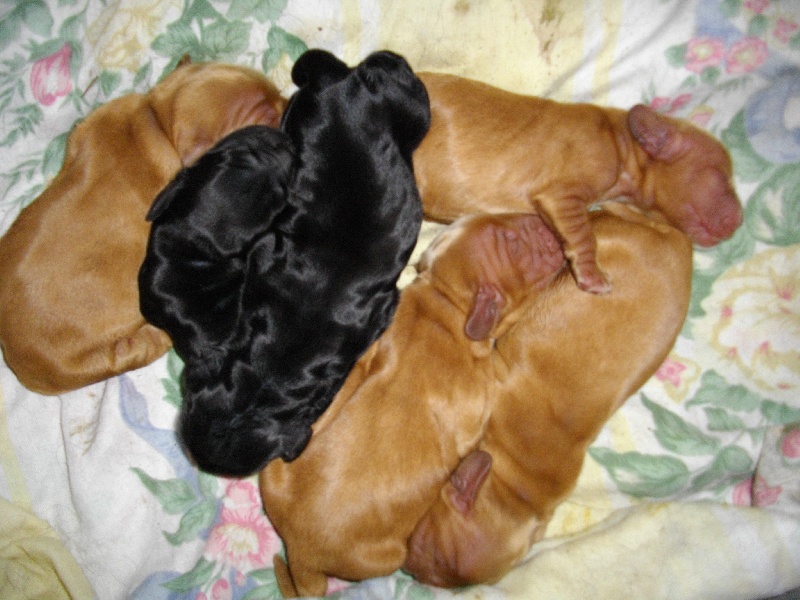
(205, 222)
(320, 284)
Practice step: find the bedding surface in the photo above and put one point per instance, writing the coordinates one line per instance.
(692, 490)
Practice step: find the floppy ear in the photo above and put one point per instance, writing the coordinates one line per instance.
(658, 135)
(315, 64)
(484, 314)
(166, 196)
(468, 478)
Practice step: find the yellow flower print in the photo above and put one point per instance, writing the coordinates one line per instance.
(121, 34)
(752, 323)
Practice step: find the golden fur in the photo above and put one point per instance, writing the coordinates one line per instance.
(560, 375)
(414, 404)
(69, 303)
(489, 150)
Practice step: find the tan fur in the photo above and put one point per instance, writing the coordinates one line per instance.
(69, 303)
(414, 404)
(489, 150)
(560, 374)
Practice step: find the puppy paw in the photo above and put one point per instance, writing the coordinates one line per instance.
(593, 282)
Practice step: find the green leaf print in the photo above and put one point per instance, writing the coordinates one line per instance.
(731, 8)
(281, 42)
(226, 40)
(142, 75)
(178, 40)
(22, 123)
(677, 435)
(728, 467)
(269, 591)
(198, 576)
(772, 214)
(721, 420)
(748, 165)
(710, 75)
(175, 495)
(196, 519)
(208, 484)
(408, 589)
(643, 475)
(676, 55)
(109, 81)
(72, 29)
(199, 10)
(780, 414)
(714, 390)
(33, 14)
(758, 26)
(171, 383)
(54, 155)
(262, 10)
(710, 263)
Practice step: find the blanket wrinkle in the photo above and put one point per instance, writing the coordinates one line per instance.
(696, 499)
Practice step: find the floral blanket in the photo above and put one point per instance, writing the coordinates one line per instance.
(692, 490)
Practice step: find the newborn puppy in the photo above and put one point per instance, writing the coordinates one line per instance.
(560, 375)
(493, 151)
(69, 304)
(205, 223)
(412, 406)
(321, 280)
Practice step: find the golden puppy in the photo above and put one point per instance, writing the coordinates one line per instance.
(69, 303)
(560, 375)
(413, 405)
(489, 150)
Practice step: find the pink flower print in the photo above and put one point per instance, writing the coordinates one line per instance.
(241, 495)
(660, 103)
(336, 585)
(221, 590)
(701, 115)
(743, 493)
(50, 77)
(763, 495)
(243, 538)
(746, 55)
(784, 30)
(670, 372)
(790, 445)
(703, 52)
(670, 105)
(757, 6)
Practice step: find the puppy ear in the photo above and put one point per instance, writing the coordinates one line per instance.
(390, 75)
(166, 196)
(484, 314)
(468, 478)
(658, 135)
(315, 64)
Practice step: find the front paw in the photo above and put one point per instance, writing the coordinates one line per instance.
(592, 280)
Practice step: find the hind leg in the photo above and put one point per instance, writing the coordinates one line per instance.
(298, 581)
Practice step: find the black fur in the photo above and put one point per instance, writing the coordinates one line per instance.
(308, 292)
(205, 223)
